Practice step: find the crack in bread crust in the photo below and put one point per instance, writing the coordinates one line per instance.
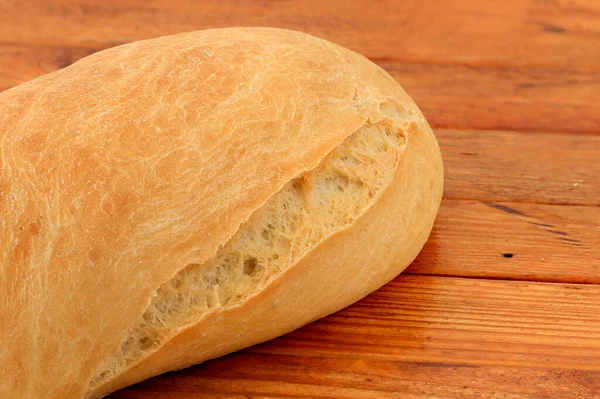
(291, 223)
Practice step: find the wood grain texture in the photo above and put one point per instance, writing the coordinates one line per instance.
(557, 33)
(521, 167)
(513, 241)
(450, 95)
(502, 97)
(419, 337)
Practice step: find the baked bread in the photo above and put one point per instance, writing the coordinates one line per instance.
(173, 200)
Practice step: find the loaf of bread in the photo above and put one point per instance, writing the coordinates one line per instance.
(169, 201)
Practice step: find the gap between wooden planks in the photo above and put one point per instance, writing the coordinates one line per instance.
(420, 337)
(450, 95)
(559, 34)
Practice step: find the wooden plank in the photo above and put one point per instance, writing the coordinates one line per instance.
(558, 33)
(501, 97)
(419, 337)
(513, 241)
(521, 167)
(458, 96)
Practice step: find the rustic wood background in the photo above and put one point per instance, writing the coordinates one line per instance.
(504, 301)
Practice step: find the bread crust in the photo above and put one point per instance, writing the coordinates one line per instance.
(120, 170)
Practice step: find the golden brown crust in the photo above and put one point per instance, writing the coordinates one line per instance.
(123, 168)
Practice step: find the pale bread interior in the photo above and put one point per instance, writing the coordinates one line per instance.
(291, 223)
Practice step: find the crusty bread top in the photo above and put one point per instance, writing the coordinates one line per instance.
(120, 170)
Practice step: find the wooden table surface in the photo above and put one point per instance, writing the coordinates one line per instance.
(504, 300)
